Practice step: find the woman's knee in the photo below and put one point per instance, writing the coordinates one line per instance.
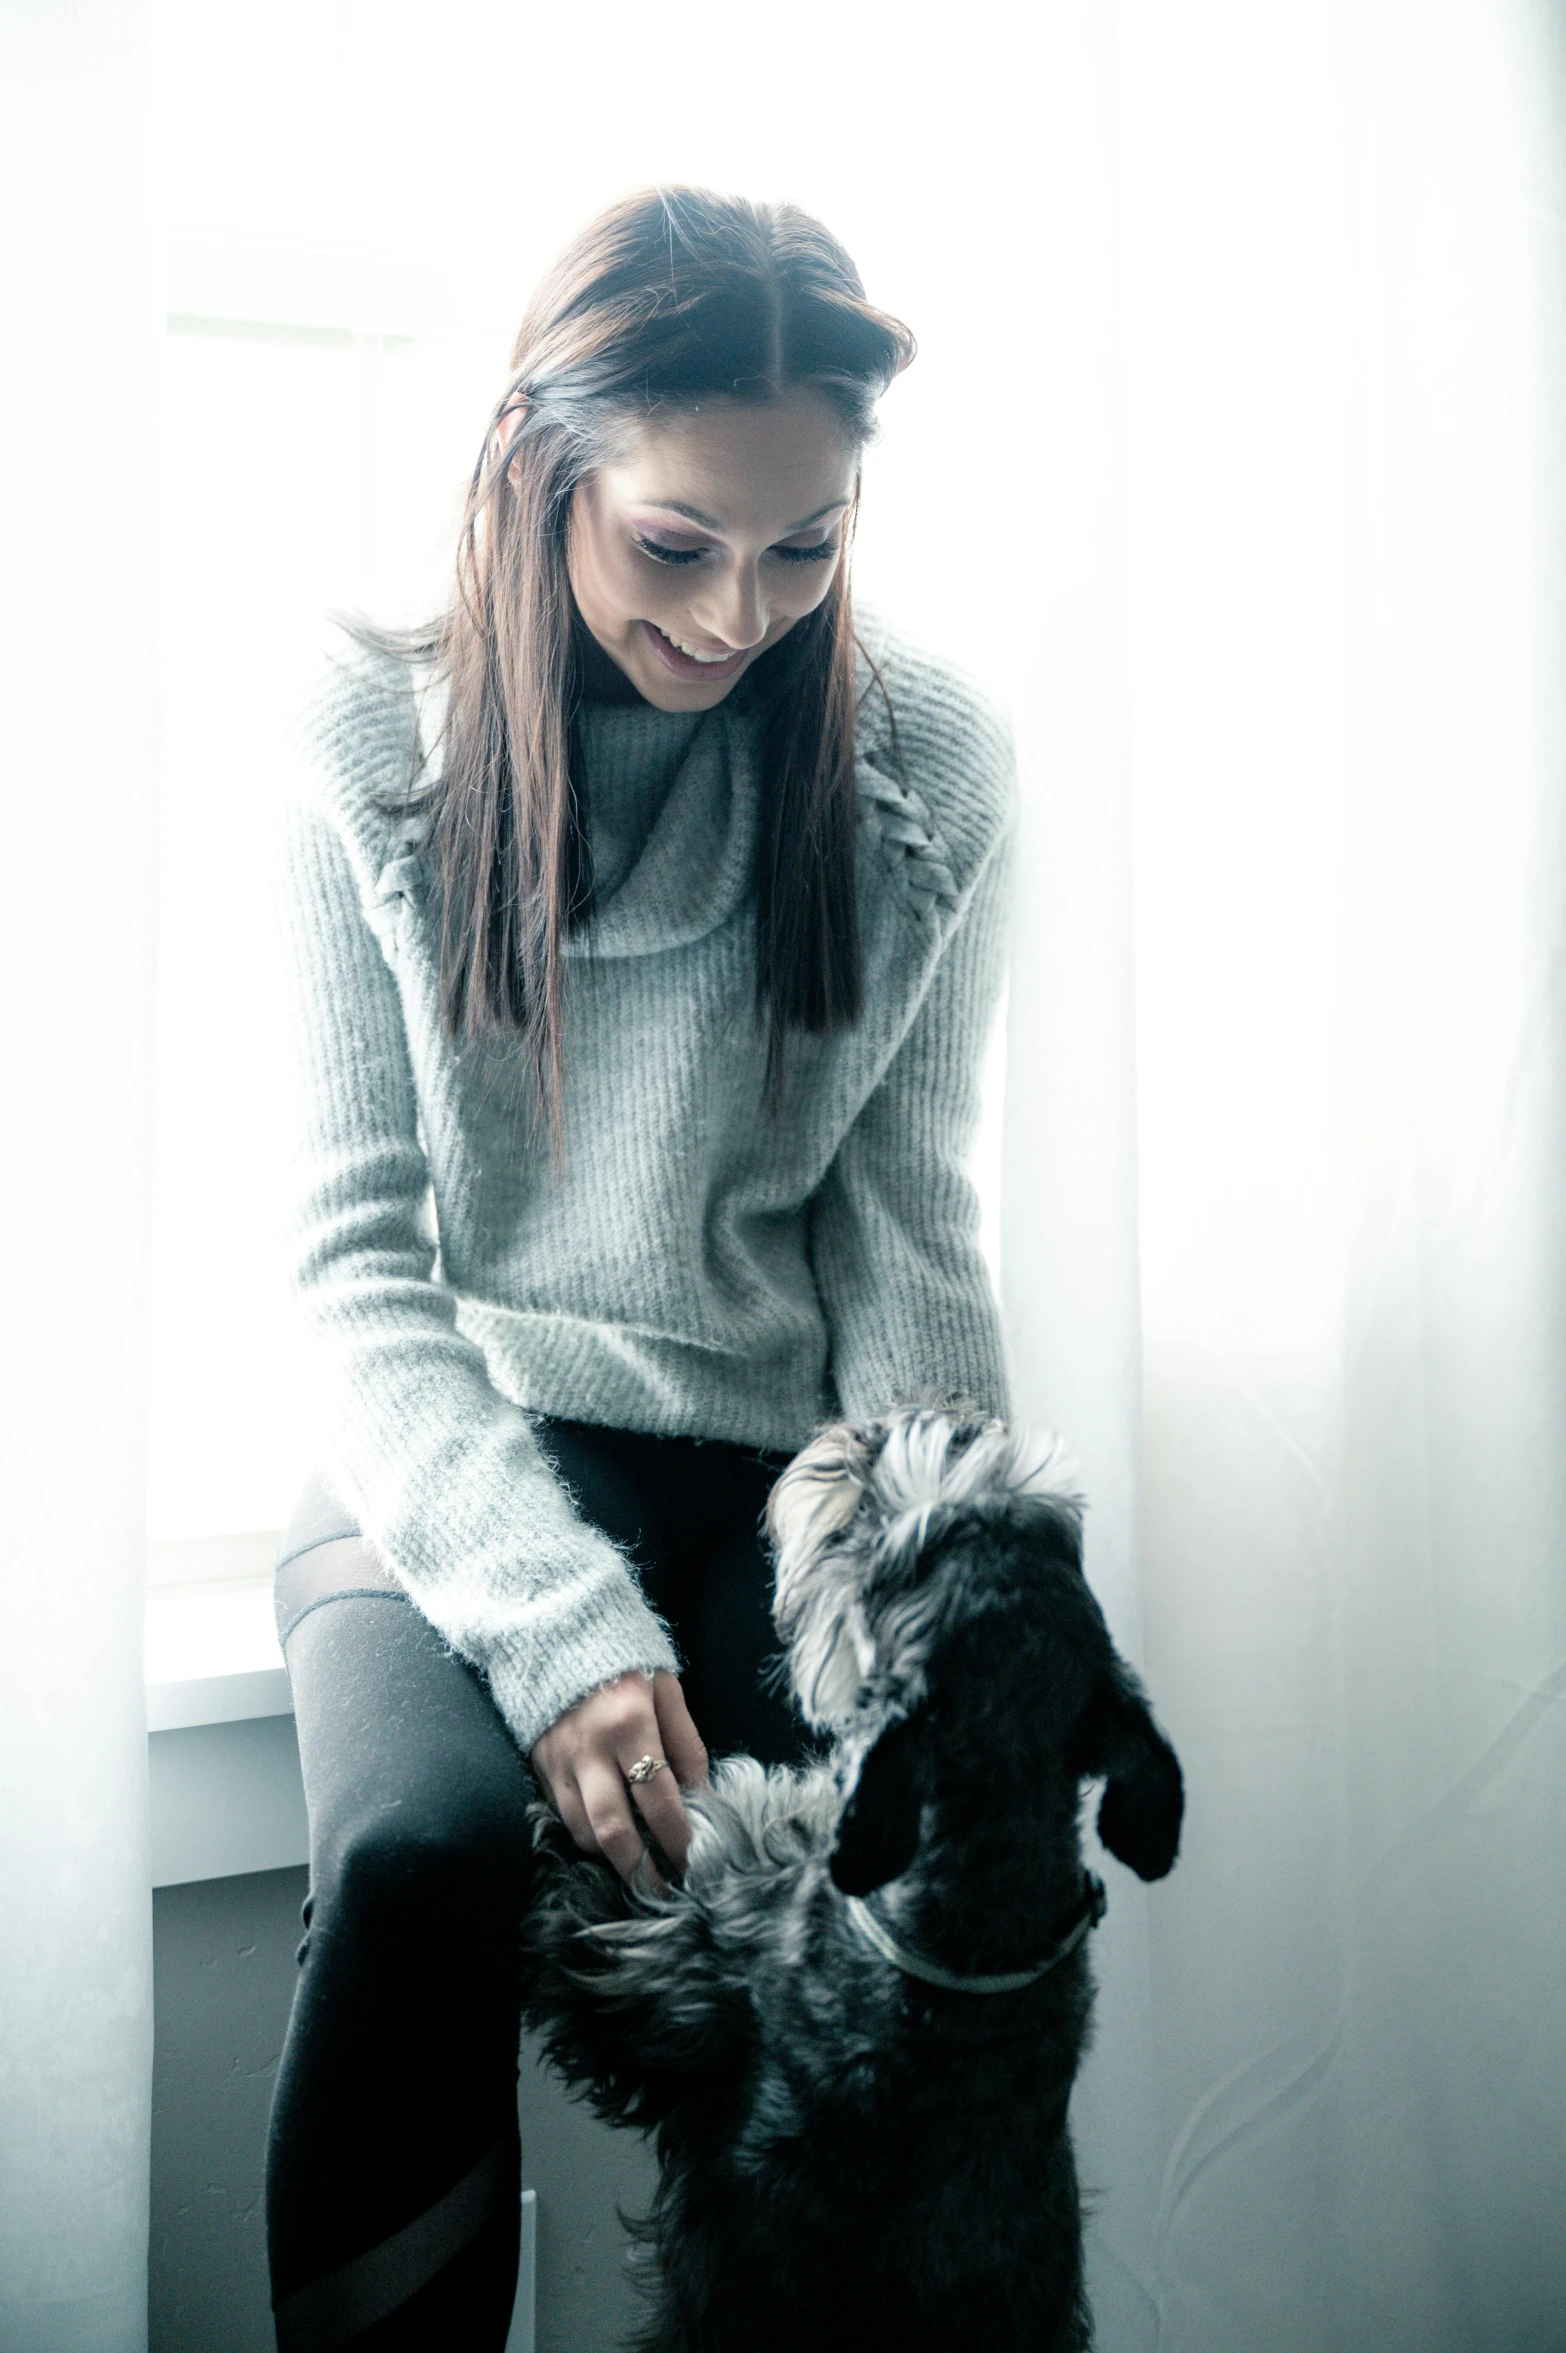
(318, 1517)
(406, 1864)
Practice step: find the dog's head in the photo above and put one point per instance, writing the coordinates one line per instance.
(929, 1587)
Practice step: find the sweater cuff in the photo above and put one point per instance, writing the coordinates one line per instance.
(608, 1631)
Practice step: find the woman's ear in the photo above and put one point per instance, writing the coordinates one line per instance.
(508, 425)
(878, 1831)
(1144, 1796)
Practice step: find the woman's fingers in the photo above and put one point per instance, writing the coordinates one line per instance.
(606, 1803)
(679, 1744)
(682, 1743)
(569, 1807)
(587, 1756)
(658, 1800)
(595, 1727)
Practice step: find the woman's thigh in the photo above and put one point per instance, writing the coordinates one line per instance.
(409, 1771)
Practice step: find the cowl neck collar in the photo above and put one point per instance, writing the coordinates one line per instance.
(697, 863)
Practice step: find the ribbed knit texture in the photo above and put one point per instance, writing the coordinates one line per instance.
(633, 757)
(697, 1265)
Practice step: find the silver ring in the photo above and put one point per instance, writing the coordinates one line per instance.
(644, 1769)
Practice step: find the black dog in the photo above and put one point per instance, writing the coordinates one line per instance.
(856, 2021)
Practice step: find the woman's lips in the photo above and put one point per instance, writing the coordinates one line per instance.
(686, 666)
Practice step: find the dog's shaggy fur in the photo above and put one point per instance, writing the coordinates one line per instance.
(852, 2158)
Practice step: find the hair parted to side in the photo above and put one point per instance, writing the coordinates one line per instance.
(672, 295)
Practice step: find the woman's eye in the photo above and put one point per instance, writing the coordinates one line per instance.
(662, 553)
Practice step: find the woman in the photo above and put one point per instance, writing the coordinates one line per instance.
(645, 926)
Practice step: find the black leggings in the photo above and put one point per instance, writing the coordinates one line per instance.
(393, 2171)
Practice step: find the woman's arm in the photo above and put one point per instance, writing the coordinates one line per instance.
(894, 1234)
(449, 1481)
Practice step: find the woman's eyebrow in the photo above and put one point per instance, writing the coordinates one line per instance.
(831, 508)
(676, 506)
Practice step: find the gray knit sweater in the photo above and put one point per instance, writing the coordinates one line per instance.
(697, 1265)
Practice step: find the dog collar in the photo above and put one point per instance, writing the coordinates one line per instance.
(1010, 1981)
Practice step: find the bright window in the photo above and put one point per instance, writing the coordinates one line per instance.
(307, 470)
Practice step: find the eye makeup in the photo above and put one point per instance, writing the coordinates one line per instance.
(665, 551)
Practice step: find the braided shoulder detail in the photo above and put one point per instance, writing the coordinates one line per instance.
(363, 732)
(910, 844)
(402, 885)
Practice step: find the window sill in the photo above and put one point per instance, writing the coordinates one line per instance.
(222, 1754)
(211, 1654)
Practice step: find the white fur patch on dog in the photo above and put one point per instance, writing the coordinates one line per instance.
(754, 1818)
(812, 1506)
(919, 1472)
(861, 1492)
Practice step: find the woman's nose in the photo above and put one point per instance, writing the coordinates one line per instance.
(736, 610)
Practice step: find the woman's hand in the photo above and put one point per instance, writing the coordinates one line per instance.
(584, 1757)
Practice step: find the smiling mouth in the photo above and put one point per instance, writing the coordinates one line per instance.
(696, 652)
(689, 661)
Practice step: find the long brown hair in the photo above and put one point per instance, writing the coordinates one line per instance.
(671, 295)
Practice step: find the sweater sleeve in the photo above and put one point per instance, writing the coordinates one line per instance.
(449, 1481)
(904, 1288)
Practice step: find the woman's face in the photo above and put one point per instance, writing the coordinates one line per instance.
(710, 534)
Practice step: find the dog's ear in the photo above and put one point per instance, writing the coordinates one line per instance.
(817, 1609)
(878, 1832)
(1144, 1797)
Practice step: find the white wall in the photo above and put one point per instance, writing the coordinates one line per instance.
(78, 642)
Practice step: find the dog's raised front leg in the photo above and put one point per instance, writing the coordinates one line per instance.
(627, 1991)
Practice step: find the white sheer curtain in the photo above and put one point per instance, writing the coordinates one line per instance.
(1285, 1227)
(76, 562)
